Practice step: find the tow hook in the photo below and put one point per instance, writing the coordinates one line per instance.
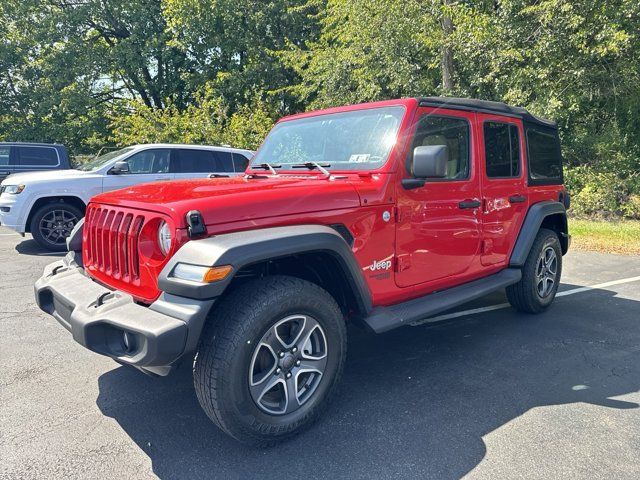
(102, 298)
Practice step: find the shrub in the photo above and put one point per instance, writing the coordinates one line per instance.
(602, 194)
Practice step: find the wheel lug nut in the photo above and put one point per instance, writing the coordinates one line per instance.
(281, 355)
(278, 370)
(297, 363)
(294, 349)
(289, 375)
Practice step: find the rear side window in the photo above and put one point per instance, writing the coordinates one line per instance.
(502, 150)
(5, 155)
(240, 162)
(195, 161)
(545, 158)
(37, 156)
(224, 162)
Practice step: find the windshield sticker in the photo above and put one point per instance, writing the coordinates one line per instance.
(359, 158)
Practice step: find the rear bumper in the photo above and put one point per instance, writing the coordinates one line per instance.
(110, 322)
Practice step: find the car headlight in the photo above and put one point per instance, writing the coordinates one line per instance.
(13, 189)
(164, 237)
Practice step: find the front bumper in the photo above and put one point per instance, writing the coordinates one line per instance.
(10, 213)
(110, 322)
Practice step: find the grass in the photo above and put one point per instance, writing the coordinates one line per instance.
(621, 237)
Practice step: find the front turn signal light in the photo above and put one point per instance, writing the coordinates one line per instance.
(215, 274)
(201, 273)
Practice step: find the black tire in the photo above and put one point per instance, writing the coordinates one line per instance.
(54, 238)
(528, 295)
(223, 366)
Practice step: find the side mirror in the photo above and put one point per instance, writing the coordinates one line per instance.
(429, 161)
(120, 168)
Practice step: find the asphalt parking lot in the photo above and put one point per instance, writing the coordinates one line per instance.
(490, 394)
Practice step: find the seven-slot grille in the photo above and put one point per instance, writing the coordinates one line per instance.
(111, 244)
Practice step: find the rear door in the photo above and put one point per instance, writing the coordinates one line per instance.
(504, 192)
(438, 231)
(151, 165)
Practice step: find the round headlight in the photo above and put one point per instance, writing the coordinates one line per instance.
(164, 237)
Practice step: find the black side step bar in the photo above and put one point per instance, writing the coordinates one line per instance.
(382, 319)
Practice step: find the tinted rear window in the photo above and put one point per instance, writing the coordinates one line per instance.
(37, 156)
(545, 158)
(240, 162)
(195, 161)
(224, 162)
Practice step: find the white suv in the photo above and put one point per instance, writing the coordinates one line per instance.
(49, 204)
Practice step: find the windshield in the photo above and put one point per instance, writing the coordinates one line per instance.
(102, 159)
(357, 140)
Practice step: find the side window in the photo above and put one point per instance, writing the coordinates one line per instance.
(224, 162)
(502, 150)
(240, 162)
(4, 156)
(195, 161)
(149, 161)
(545, 159)
(37, 156)
(451, 132)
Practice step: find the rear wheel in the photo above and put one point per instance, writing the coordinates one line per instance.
(52, 224)
(540, 275)
(270, 359)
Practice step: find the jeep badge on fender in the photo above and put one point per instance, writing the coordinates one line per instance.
(253, 279)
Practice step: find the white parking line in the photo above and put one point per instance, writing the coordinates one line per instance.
(499, 306)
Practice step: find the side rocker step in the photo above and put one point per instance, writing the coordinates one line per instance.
(382, 319)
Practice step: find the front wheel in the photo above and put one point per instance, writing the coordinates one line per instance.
(540, 275)
(270, 359)
(52, 223)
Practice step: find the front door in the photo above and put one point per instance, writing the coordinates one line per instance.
(438, 232)
(151, 165)
(505, 201)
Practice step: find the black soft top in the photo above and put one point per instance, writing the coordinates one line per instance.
(486, 106)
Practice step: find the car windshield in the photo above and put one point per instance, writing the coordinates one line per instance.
(356, 140)
(102, 159)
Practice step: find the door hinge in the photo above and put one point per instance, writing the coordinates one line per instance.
(400, 213)
(403, 262)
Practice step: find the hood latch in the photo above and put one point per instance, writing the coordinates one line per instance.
(195, 224)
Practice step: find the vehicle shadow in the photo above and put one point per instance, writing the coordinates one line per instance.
(30, 247)
(414, 403)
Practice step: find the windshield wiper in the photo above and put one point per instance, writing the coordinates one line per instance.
(312, 165)
(267, 166)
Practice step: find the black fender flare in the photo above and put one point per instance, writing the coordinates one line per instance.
(242, 249)
(530, 227)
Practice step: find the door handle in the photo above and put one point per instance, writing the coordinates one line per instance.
(469, 204)
(517, 199)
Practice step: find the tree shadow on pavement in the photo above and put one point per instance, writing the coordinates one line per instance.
(414, 403)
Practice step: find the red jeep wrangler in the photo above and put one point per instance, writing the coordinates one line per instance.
(381, 214)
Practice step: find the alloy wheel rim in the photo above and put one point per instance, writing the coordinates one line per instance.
(287, 365)
(56, 226)
(546, 272)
